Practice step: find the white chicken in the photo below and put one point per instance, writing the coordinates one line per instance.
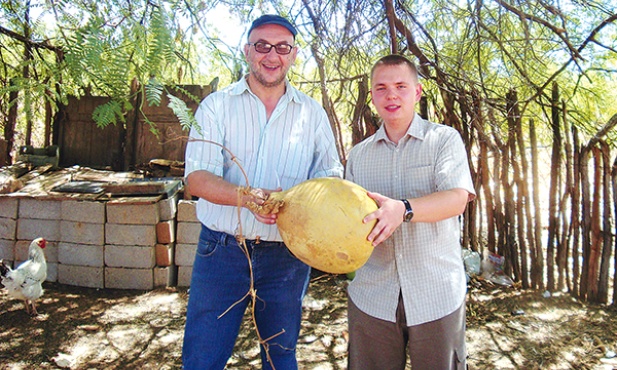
(26, 281)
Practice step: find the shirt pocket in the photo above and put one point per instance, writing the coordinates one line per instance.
(418, 180)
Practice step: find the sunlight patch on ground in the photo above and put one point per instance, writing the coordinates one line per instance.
(129, 338)
(168, 303)
(93, 348)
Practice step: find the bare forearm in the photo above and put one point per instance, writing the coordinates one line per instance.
(214, 189)
(439, 206)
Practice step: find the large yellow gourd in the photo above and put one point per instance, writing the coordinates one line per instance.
(321, 223)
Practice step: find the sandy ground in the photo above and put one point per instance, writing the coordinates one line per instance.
(114, 329)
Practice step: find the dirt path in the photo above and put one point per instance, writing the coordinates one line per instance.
(111, 329)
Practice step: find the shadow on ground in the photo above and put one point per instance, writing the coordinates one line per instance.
(116, 329)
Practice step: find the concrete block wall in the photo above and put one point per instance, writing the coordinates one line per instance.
(82, 243)
(38, 217)
(188, 229)
(165, 271)
(8, 227)
(128, 243)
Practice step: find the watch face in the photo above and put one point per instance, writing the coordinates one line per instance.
(408, 211)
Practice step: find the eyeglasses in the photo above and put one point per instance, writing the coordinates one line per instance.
(264, 48)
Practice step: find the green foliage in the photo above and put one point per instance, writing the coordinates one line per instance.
(154, 92)
(108, 113)
(119, 49)
(184, 114)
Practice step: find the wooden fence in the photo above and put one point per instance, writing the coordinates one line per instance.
(122, 146)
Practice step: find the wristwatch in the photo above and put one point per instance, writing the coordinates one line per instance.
(408, 211)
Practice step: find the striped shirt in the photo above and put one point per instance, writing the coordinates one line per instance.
(294, 145)
(420, 260)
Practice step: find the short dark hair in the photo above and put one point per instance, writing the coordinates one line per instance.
(272, 19)
(395, 60)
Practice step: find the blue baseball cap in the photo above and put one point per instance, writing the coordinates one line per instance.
(273, 19)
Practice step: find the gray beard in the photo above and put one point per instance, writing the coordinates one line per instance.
(267, 84)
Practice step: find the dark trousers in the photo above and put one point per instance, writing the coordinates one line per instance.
(376, 344)
(218, 299)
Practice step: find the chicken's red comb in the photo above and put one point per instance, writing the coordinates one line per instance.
(42, 243)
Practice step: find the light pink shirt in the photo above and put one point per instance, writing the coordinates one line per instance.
(421, 260)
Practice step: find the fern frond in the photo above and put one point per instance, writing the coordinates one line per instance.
(184, 114)
(193, 97)
(154, 92)
(108, 113)
(161, 40)
(151, 125)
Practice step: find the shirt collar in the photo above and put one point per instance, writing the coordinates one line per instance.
(241, 86)
(417, 129)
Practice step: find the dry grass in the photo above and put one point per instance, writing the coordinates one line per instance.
(114, 329)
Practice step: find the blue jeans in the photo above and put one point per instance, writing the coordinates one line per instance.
(221, 278)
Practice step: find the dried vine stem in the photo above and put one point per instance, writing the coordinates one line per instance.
(252, 292)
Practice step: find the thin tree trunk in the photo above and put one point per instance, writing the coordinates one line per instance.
(521, 272)
(509, 251)
(525, 214)
(555, 171)
(586, 222)
(325, 97)
(11, 123)
(469, 217)
(564, 240)
(596, 237)
(327, 103)
(537, 268)
(391, 17)
(614, 183)
(49, 96)
(577, 181)
(358, 129)
(498, 168)
(484, 144)
(606, 224)
(26, 74)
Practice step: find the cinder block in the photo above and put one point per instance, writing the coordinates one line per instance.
(30, 229)
(21, 249)
(166, 232)
(82, 232)
(8, 207)
(123, 278)
(165, 276)
(135, 257)
(83, 211)
(188, 232)
(119, 234)
(185, 254)
(187, 211)
(52, 272)
(38, 208)
(168, 208)
(164, 254)
(7, 249)
(50, 251)
(121, 212)
(8, 227)
(184, 276)
(86, 276)
(81, 254)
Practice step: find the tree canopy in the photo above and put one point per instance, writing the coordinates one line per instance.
(53, 49)
(512, 76)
